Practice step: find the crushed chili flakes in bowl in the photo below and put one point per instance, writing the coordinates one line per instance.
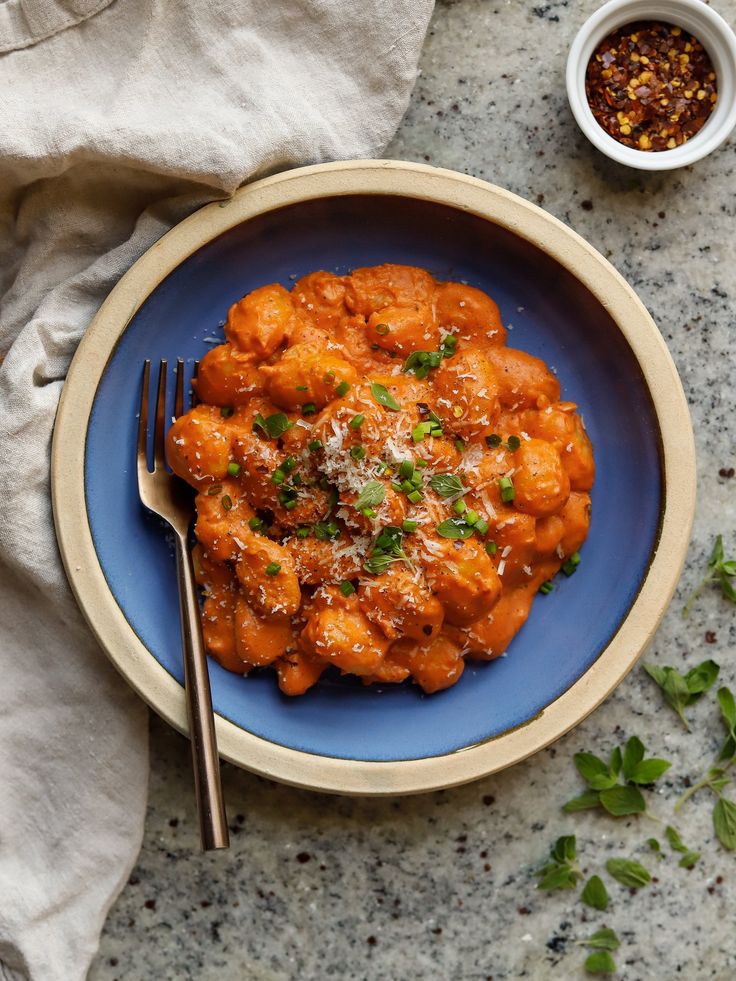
(651, 85)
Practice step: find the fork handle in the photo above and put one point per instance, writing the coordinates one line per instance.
(213, 829)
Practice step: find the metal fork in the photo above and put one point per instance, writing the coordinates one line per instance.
(168, 497)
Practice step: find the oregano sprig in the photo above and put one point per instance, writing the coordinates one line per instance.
(614, 786)
(561, 871)
(720, 571)
(682, 690)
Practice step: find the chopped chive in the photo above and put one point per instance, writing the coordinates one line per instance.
(233, 469)
(255, 524)
(303, 532)
(214, 490)
(396, 486)
(450, 341)
(316, 444)
(289, 463)
(406, 469)
(278, 476)
(357, 452)
(506, 486)
(491, 548)
(357, 421)
(297, 480)
(329, 378)
(368, 513)
(493, 440)
(472, 517)
(409, 526)
(273, 568)
(347, 588)
(513, 443)
(546, 587)
(290, 505)
(407, 486)
(343, 388)
(459, 446)
(572, 563)
(460, 507)
(308, 409)
(226, 411)
(481, 526)
(415, 496)
(382, 466)
(418, 433)
(302, 388)
(227, 502)
(421, 463)
(416, 480)
(382, 329)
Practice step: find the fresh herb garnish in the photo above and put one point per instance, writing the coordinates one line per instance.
(454, 528)
(614, 786)
(387, 548)
(680, 691)
(272, 426)
(227, 502)
(689, 858)
(506, 486)
(315, 445)
(343, 388)
(382, 395)
(600, 962)
(570, 566)
(603, 939)
(214, 490)
(594, 893)
(273, 568)
(628, 872)
(560, 872)
(720, 571)
(325, 531)
(371, 495)
(347, 588)
(226, 411)
(493, 440)
(446, 484)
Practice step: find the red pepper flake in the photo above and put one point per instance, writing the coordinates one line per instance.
(651, 86)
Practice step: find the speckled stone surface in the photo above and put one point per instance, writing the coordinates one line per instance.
(441, 886)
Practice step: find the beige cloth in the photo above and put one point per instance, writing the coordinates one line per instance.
(117, 119)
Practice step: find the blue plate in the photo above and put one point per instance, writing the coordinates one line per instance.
(551, 314)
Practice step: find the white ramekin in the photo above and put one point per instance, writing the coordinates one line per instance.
(692, 15)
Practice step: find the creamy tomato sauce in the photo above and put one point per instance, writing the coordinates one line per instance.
(383, 485)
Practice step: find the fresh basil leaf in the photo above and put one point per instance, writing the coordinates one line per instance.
(702, 677)
(628, 872)
(688, 860)
(648, 771)
(600, 962)
(372, 494)
(633, 754)
(594, 771)
(382, 395)
(620, 801)
(724, 822)
(586, 801)
(674, 839)
(446, 484)
(594, 893)
(603, 939)
(454, 528)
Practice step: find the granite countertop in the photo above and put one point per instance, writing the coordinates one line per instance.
(441, 886)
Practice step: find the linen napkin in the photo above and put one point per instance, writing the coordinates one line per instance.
(117, 119)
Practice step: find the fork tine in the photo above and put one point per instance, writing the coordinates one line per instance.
(159, 453)
(143, 420)
(179, 399)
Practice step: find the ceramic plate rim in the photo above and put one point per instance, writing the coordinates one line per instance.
(419, 181)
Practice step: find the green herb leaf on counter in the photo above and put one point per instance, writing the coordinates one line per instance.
(560, 872)
(689, 858)
(603, 939)
(594, 893)
(656, 848)
(628, 872)
(600, 962)
(720, 571)
(613, 785)
(680, 691)
(727, 705)
(724, 822)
